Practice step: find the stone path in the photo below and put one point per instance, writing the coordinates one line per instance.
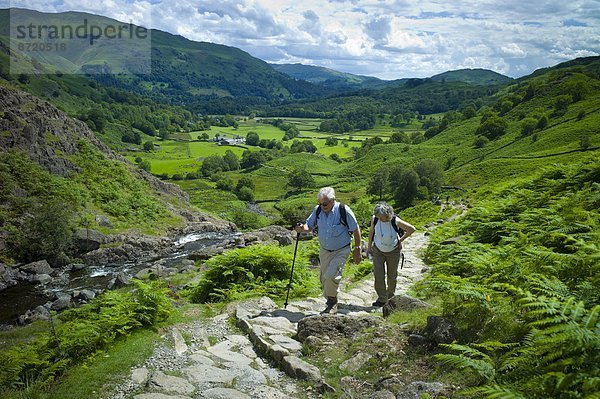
(211, 358)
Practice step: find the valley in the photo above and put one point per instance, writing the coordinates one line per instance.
(103, 174)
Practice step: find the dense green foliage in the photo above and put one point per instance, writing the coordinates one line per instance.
(78, 333)
(40, 220)
(523, 285)
(41, 210)
(251, 271)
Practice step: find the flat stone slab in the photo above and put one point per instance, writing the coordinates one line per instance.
(224, 393)
(159, 396)
(279, 323)
(140, 375)
(267, 392)
(180, 345)
(247, 378)
(223, 351)
(300, 369)
(170, 384)
(204, 373)
(286, 342)
(202, 359)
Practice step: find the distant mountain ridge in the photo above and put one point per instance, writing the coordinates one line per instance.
(329, 77)
(477, 76)
(332, 78)
(182, 71)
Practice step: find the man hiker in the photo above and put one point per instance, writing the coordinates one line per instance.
(336, 227)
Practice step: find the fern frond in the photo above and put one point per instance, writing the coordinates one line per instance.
(482, 369)
(494, 392)
(593, 319)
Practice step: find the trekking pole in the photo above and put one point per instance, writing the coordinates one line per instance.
(292, 272)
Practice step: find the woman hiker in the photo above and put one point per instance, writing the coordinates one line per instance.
(385, 243)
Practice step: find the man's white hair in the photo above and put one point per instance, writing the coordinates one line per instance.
(326, 192)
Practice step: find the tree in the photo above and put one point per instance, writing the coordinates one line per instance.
(245, 194)
(492, 128)
(405, 183)
(331, 141)
(245, 181)
(480, 142)
(528, 126)
(430, 175)
(48, 232)
(23, 78)
(398, 137)
(231, 160)
(253, 159)
(363, 210)
(469, 112)
(252, 138)
(561, 103)
(97, 116)
(225, 184)
(300, 178)
(335, 157)
(379, 182)
(148, 146)
(542, 122)
(212, 164)
(144, 164)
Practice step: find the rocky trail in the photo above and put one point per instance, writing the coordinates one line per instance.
(260, 356)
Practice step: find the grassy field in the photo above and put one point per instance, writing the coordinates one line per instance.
(183, 153)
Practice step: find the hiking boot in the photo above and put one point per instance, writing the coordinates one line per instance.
(331, 306)
(378, 304)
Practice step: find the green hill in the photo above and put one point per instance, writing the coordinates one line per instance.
(181, 71)
(330, 78)
(566, 97)
(476, 76)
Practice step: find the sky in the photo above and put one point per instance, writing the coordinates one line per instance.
(388, 39)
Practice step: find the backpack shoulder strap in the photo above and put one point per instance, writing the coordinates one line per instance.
(343, 214)
(318, 212)
(398, 230)
(375, 220)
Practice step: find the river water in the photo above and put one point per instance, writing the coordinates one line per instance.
(16, 300)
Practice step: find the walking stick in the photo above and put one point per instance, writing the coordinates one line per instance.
(292, 272)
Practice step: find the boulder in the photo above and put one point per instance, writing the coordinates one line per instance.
(39, 313)
(39, 267)
(440, 330)
(87, 240)
(8, 276)
(206, 253)
(120, 280)
(334, 326)
(103, 221)
(62, 302)
(267, 234)
(403, 302)
(39, 278)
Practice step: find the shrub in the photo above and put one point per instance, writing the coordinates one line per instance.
(245, 194)
(492, 128)
(528, 126)
(255, 270)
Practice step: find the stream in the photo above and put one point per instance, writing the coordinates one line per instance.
(16, 300)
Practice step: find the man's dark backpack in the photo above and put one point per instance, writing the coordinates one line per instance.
(343, 216)
(397, 229)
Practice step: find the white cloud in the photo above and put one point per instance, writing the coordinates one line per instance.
(385, 38)
(513, 50)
